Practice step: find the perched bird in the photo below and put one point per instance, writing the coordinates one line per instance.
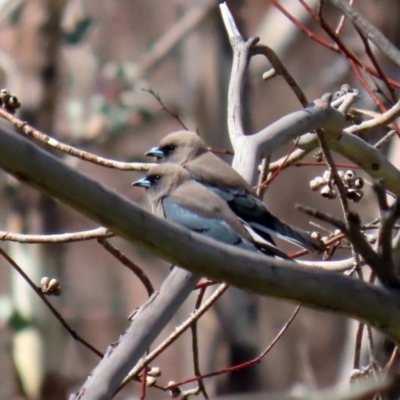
(175, 196)
(188, 150)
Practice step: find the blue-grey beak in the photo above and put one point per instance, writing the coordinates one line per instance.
(155, 152)
(144, 182)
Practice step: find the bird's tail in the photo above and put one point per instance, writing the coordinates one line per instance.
(265, 244)
(285, 232)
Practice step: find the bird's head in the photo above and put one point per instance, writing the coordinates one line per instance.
(162, 179)
(178, 148)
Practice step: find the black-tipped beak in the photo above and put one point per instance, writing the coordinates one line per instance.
(155, 152)
(144, 182)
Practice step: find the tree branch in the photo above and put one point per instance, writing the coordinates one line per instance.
(367, 157)
(257, 273)
(369, 30)
(41, 137)
(57, 237)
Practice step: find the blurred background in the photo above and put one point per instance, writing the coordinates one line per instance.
(79, 68)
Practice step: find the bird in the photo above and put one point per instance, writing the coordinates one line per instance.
(177, 197)
(188, 150)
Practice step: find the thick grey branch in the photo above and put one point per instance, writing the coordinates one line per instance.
(266, 142)
(260, 274)
(249, 150)
(318, 115)
(146, 324)
(355, 149)
(241, 58)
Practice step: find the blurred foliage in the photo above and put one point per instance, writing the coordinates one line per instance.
(17, 322)
(76, 36)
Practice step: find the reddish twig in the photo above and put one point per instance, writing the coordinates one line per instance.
(374, 61)
(374, 97)
(247, 363)
(143, 386)
(323, 164)
(175, 335)
(205, 284)
(328, 45)
(219, 151)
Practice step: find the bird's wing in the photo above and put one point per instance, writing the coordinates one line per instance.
(254, 212)
(215, 228)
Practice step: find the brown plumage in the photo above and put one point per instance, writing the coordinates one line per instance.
(188, 150)
(174, 195)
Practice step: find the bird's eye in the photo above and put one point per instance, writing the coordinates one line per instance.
(170, 148)
(155, 178)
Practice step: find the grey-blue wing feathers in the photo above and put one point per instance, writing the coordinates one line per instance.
(253, 211)
(218, 229)
(211, 227)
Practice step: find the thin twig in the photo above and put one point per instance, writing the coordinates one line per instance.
(323, 164)
(195, 346)
(392, 360)
(381, 120)
(370, 336)
(276, 172)
(380, 192)
(357, 351)
(373, 95)
(129, 264)
(385, 139)
(165, 108)
(374, 61)
(339, 184)
(41, 137)
(330, 219)
(369, 30)
(344, 52)
(143, 385)
(389, 216)
(58, 316)
(383, 270)
(175, 335)
(221, 151)
(341, 21)
(247, 363)
(286, 161)
(56, 238)
(262, 179)
(281, 70)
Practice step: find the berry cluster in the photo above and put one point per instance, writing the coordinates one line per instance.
(326, 185)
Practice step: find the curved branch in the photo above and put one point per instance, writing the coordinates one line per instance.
(380, 120)
(336, 265)
(318, 115)
(367, 157)
(269, 277)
